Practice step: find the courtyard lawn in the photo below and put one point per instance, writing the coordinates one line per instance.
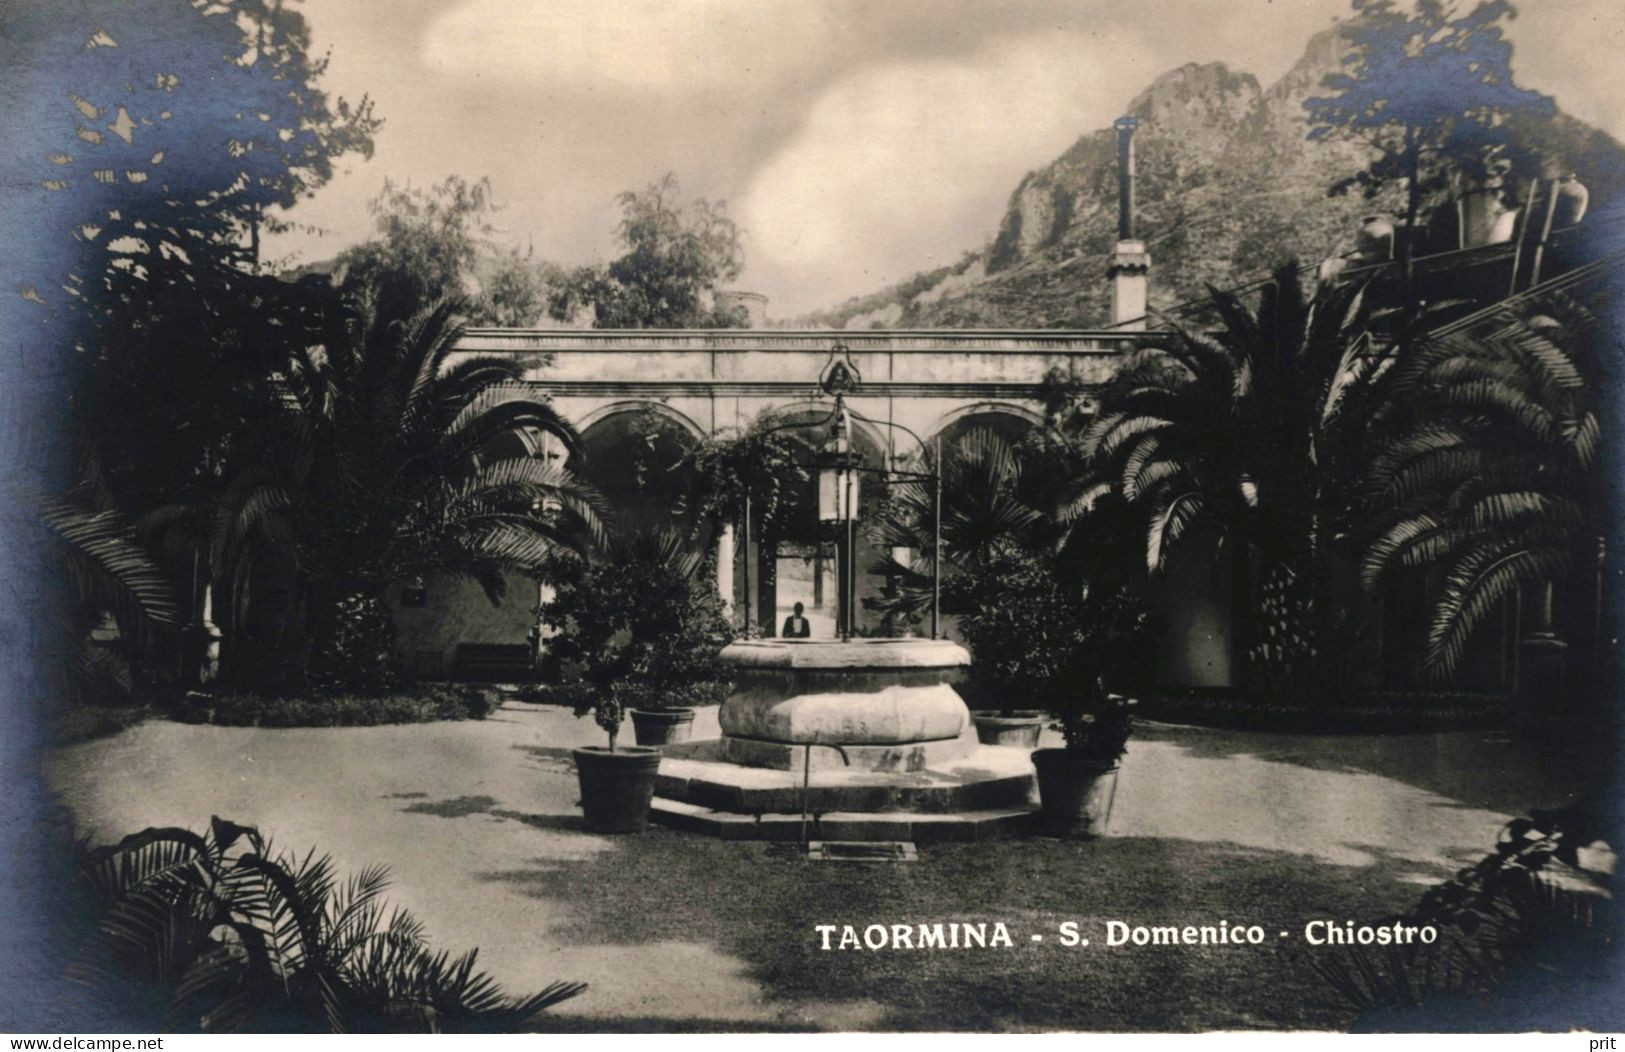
(478, 822)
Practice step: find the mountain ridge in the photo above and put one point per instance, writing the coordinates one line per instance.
(1228, 185)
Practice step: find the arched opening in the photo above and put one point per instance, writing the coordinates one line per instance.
(637, 457)
(791, 557)
(1040, 476)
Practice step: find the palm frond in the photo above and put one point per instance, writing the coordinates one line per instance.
(1472, 586)
(110, 567)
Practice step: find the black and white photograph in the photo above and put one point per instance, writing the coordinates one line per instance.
(810, 516)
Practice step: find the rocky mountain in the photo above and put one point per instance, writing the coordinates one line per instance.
(1228, 185)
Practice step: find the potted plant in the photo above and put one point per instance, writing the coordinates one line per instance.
(617, 785)
(1022, 629)
(1077, 782)
(646, 630)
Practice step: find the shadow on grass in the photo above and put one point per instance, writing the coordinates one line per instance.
(1487, 769)
(464, 806)
(760, 904)
(459, 807)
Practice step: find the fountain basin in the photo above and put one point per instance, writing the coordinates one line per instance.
(889, 703)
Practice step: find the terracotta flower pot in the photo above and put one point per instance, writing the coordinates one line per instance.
(616, 787)
(1018, 729)
(662, 726)
(1075, 795)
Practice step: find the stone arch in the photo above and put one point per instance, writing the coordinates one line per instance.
(797, 559)
(633, 453)
(955, 419)
(865, 433)
(637, 405)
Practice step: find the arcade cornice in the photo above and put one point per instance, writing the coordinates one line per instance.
(887, 341)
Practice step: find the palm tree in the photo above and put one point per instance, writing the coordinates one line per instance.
(987, 512)
(1489, 476)
(1252, 430)
(106, 573)
(217, 933)
(380, 467)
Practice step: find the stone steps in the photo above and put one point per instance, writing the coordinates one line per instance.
(985, 824)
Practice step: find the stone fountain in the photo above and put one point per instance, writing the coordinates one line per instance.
(869, 732)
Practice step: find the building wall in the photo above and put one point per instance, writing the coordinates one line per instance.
(457, 611)
(1194, 596)
(710, 382)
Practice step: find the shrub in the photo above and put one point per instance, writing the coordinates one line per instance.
(1096, 730)
(1034, 639)
(1534, 921)
(217, 933)
(355, 653)
(425, 703)
(645, 627)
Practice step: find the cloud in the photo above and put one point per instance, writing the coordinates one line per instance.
(904, 165)
(632, 45)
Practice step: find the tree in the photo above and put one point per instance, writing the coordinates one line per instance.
(986, 518)
(676, 258)
(1254, 430)
(157, 127)
(440, 243)
(148, 142)
(645, 624)
(1427, 91)
(1491, 476)
(387, 462)
(513, 289)
(154, 136)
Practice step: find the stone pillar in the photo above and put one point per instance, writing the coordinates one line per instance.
(725, 567)
(208, 636)
(1129, 272)
(1130, 263)
(540, 633)
(1542, 657)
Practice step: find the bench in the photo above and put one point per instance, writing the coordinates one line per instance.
(492, 662)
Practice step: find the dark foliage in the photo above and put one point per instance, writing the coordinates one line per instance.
(1096, 729)
(1536, 910)
(215, 933)
(1037, 642)
(990, 513)
(644, 624)
(422, 703)
(676, 258)
(1489, 469)
(357, 652)
(1255, 431)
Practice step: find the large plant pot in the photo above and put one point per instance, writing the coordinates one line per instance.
(616, 787)
(1018, 729)
(662, 726)
(1075, 795)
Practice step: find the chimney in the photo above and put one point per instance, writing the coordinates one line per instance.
(1130, 263)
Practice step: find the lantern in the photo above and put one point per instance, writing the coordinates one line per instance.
(837, 486)
(837, 472)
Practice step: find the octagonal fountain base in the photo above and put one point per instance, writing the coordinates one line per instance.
(871, 733)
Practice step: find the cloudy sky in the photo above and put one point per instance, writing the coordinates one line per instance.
(856, 141)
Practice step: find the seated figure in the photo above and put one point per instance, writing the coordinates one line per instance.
(796, 626)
